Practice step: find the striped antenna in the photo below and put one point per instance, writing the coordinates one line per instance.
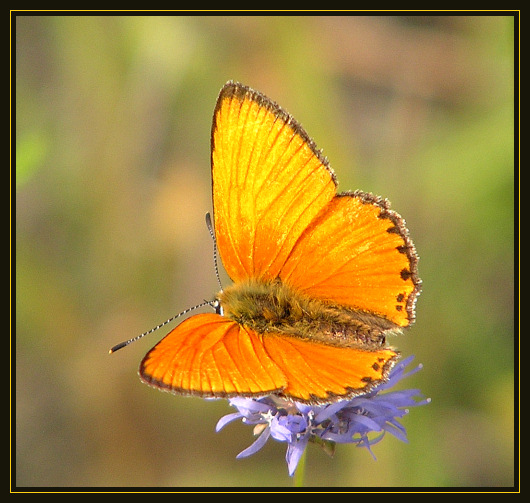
(214, 303)
(212, 233)
(134, 339)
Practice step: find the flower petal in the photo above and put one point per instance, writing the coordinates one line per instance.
(227, 419)
(328, 411)
(256, 445)
(294, 453)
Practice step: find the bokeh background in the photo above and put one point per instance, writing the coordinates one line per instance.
(113, 117)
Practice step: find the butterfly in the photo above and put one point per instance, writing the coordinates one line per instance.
(320, 278)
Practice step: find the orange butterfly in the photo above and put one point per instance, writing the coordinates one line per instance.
(320, 278)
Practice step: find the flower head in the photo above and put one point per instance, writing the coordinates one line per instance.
(346, 421)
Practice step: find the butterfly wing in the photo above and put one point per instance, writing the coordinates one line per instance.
(211, 356)
(268, 181)
(277, 215)
(318, 373)
(357, 253)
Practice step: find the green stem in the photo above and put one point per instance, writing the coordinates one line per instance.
(298, 478)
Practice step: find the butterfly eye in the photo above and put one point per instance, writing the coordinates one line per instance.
(217, 306)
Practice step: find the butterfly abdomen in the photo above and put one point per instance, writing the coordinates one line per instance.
(274, 307)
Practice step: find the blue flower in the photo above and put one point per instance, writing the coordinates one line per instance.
(345, 421)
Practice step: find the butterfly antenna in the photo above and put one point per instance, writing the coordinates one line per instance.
(134, 339)
(186, 311)
(212, 233)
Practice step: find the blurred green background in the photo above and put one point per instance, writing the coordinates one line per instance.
(113, 118)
